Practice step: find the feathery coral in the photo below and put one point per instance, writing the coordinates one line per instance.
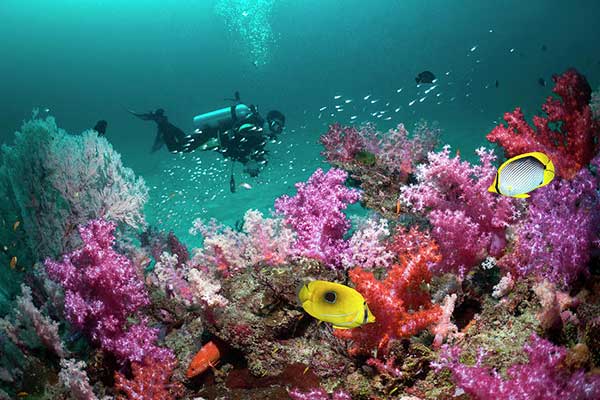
(74, 378)
(263, 240)
(341, 143)
(59, 181)
(366, 247)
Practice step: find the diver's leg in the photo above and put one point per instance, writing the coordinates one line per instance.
(174, 138)
(198, 139)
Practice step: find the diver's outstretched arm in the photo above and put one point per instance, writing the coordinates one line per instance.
(145, 116)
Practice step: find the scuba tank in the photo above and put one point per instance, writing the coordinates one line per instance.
(223, 118)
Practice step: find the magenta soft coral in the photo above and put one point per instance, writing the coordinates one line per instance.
(401, 306)
(316, 215)
(102, 290)
(341, 143)
(569, 134)
(544, 377)
(469, 223)
(556, 239)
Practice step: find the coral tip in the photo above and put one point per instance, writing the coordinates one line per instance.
(207, 357)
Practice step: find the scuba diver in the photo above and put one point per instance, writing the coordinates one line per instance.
(235, 131)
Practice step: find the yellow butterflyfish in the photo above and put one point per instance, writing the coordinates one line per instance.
(335, 303)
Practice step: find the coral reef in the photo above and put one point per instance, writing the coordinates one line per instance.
(475, 295)
(380, 162)
(543, 377)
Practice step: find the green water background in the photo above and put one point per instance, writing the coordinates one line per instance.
(86, 60)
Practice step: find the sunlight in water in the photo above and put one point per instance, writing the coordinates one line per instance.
(249, 20)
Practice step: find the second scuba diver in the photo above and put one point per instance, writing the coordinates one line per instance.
(236, 132)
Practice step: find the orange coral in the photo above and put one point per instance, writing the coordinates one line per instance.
(400, 303)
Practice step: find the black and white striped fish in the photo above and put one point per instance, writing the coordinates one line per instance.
(522, 174)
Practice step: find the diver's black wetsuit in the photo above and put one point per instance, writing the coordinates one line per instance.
(167, 133)
(244, 145)
(239, 146)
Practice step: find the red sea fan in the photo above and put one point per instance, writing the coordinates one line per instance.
(569, 134)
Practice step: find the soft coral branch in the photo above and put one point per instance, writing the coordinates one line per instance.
(569, 134)
(469, 223)
(543, 377)
(401, 305)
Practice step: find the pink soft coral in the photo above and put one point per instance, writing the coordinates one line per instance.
(569, 134)
(316, 215)
(341, 143)
(544, 377)
(469, 223)
(103, 290)
(261, 240)
(556, 239)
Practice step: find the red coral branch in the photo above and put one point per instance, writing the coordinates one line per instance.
(401, 306)
(568, 134)
(150, 381)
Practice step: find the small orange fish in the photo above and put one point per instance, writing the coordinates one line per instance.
(13, 262)
(398, 206)
(22, 394)
(208, 356)
(16, 225)
(458, 153)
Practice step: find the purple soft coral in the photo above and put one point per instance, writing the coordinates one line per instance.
(556, 239)
(315, 214)
(544, 377)
(102, 290)
(341, 143)
(454, 195)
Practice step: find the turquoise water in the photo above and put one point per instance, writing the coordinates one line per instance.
(91, 60)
